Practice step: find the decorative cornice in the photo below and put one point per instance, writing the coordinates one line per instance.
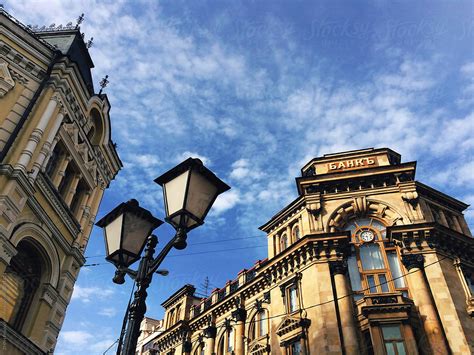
(425, 237)
(7, 250)
(18, 340)
(49, 294)
(377, 306)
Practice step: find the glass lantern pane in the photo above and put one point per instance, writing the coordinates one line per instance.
(112, 234)
(201, 193)
(135, 232)
(175, 191)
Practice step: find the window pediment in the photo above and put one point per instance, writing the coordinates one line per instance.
(259, 347)
(291, 326)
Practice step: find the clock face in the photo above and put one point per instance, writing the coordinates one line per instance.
(367, 236)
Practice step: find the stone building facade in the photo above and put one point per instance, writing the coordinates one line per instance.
(366, 260)
(56, 160)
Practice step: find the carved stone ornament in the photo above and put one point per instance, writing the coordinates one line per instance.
(6, 81)
(338, 267)
(413, 261)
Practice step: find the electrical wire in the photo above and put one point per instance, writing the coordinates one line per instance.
(196, 253)
(199, 243)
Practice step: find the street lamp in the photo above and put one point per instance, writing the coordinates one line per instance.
(189, 190)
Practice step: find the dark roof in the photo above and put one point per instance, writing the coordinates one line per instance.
(71, 44)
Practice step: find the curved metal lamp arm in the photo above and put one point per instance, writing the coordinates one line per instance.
(178, 242)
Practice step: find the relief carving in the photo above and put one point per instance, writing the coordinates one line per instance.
(6, 81)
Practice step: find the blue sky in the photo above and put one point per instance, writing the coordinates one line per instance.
(256, 89)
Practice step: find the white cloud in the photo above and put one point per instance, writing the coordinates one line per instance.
(185, 155)
(108, 312)
(88, 294)
(76, 337)
(225, 202)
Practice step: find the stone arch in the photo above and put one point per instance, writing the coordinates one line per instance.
(251, 316)
(98, 114)
(37, 237)
(362, 206)
(197, 346)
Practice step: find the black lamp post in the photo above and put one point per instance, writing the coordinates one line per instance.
(189, 191)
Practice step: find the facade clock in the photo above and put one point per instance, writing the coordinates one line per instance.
(367, 236)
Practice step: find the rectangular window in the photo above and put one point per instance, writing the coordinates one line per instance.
(294, 348)
(230, 340)
(383, 283)
(371, 283)
(292, 299)
(395, 269)
(354, 275)
(469, 277)
(393, 339)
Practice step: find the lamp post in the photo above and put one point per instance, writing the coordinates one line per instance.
(189, 190)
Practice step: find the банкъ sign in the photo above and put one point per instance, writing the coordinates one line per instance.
(352, 164)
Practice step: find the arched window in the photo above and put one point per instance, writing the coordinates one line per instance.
(296, 233)
(374, 265)
(171, 318)
(283, 242)
(200, 350)
(259, 325)
(20, 283)
(178, 313)
(226, 342)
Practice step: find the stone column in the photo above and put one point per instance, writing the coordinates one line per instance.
(240, 314)
(210, 333)
(344, 302)
(36, 135)
(71, 190)
(289, 237)
(423, 300)
(93, 206)
(40, 162)
(81, 206)
(60, 171)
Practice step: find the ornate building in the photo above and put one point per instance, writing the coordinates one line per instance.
(56, 160)
(365, 260)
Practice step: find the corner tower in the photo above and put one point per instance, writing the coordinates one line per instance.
(366, 260)
(56, 160)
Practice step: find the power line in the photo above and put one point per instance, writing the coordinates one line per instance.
(199, 243)
(196, 253)
(353, 293)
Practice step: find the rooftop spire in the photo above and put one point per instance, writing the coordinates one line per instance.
(80, 19)
(103, 83)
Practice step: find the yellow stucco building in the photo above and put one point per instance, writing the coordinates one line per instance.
(366, 260)
(56, 160)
